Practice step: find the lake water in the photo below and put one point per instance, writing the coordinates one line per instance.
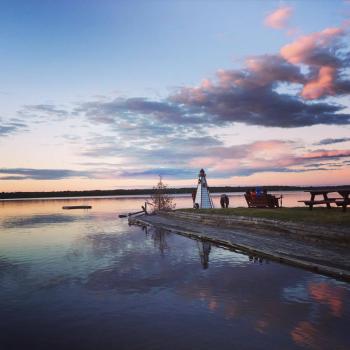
(87, 280)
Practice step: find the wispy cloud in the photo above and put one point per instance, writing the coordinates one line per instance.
(39, 174)
(183, 162)
(11, 126)
(170, 173)
(324, 154)
(180, 158)
(128, 111)
(278, 19)
(44, 112)
(331, 141)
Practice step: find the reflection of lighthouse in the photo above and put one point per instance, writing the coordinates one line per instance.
(203, 199)
(204, 249)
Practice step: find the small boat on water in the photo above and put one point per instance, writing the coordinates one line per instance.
(77, 207)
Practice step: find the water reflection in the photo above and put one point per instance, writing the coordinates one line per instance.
(247, 295)
(36, 220)
(204, 248)
(11, 268)
(104, 284)
(332, 296)
(159, 238)
(258, 259)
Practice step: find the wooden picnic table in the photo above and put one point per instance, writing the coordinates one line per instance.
(326, 200)
(345, 201)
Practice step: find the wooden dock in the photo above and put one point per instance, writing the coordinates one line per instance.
(69, 207)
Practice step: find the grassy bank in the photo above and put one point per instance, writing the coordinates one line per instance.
(322, 216)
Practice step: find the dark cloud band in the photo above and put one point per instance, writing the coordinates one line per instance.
(39, 174)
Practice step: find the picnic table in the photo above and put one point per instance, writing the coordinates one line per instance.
(343, 201)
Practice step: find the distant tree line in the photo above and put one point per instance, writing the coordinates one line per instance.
(150, 191)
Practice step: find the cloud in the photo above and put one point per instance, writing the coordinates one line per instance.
(44, 111)
(321, 85)
(7, 129)
(153, 132)
(164, 151)
(249, 96)
(174, 173)
(331, 141)
(326, 55)
(312, 67)
(267, 156)
(39, 174)
(314, 49)
(323, 154)
(278, 19)
(128, 110)
(181, 158)
(170, 136)
(10, 127)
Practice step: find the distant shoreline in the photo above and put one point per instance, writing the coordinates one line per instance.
(137, 192)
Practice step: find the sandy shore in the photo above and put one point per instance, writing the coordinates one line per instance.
(314, 248)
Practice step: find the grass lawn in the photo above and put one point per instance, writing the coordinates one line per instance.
(319, 215)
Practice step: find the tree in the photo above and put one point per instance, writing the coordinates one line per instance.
(160, 200)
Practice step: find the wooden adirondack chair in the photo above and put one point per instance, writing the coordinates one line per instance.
(263, 201)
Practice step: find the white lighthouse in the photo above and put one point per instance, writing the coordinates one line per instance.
(203, 199)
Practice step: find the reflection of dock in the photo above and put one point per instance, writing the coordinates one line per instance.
(68, 207)
(159, 238)
(331, 259)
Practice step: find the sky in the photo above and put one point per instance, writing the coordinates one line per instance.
(102, 94)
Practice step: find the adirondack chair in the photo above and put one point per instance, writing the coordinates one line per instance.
(263, 201)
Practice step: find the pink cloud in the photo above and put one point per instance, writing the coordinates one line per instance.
(204, 162)
(302, 49)
(322, 85)
(313, 66)
(267, 156)
(278, 19)
(271, 146)
(324, 154)
(206, 84)
(318, 51)
(254, 157)
(226, 165)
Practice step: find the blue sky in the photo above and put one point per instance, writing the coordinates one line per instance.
(64, 62)
(59, 50)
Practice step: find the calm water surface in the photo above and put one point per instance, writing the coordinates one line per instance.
(85, 279)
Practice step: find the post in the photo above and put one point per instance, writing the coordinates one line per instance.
(325, 197)
(312, 200)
